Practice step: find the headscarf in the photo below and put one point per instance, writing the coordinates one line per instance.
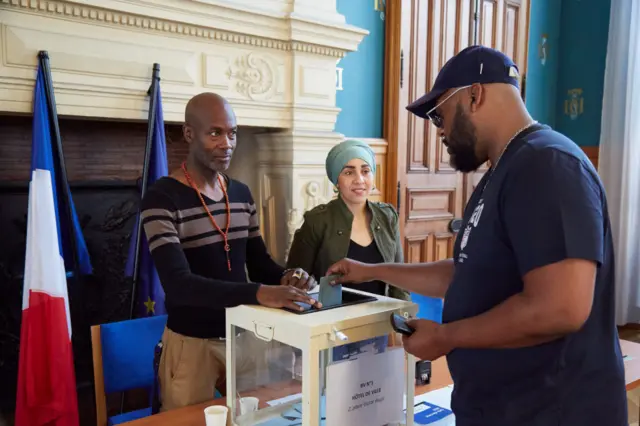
(346, 151)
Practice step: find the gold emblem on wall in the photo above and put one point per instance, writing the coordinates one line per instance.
(380, 6)
(574, 105)
(543, 49)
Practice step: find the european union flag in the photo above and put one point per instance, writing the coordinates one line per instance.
(68, 227)
(150, 294)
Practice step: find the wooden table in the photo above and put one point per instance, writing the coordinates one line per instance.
(193, 415)
(631, 352)
(440, 377)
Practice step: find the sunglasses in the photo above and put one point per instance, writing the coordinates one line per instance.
(436, 118)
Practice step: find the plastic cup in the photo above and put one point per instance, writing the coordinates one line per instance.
(248, 404)
(216, 415)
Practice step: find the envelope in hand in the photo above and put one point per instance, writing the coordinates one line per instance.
(330, 295)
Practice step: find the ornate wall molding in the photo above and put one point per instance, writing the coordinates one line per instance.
(141, 22)
(315, 195)
(292, 225)
(254, 75)
(275, 65)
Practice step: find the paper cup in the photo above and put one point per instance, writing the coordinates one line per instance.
(248, 404)
(216, 415)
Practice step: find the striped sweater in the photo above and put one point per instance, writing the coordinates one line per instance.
(189, 255)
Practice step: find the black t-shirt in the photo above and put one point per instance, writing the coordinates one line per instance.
(368, 254)
(544, 203)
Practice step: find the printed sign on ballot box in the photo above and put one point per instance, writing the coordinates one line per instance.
(367, 390)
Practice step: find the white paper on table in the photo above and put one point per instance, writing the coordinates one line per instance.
(284, 400)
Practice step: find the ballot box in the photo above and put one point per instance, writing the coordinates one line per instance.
(332, 366)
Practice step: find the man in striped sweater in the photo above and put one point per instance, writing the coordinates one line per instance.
(202, 229)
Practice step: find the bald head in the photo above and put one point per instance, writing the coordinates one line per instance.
(210, 130)
(496, 111)
(204, 105)
(502, 96)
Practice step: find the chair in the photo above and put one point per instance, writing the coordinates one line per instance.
(123, 359)
(429, 308)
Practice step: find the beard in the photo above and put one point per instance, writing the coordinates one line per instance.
(461, 144)
(212, 161)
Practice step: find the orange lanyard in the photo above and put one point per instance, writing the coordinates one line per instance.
(224, 234)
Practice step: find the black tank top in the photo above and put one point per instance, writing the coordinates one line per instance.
(369, 254)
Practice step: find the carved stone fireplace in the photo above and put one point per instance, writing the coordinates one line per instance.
(275, 60)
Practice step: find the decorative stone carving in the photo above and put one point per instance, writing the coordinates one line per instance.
(251, 56)
(255, 76)
(292, 225)
(314, 195)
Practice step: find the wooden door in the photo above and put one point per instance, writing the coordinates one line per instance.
(502, 25)
(421, 36)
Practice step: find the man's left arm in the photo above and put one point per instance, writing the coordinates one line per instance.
(553, 217)
(260, 265)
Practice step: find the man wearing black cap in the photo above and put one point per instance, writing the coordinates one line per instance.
(528, 322)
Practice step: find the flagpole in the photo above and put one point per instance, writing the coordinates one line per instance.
(153, 100)
(43, 56)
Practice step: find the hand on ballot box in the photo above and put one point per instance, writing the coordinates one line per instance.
(298, 278)
(282, 296)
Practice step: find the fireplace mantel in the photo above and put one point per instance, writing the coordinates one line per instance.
(275, 60)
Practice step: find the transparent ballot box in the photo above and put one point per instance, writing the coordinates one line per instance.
(337, 366)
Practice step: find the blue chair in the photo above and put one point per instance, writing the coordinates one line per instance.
(123, 359)
(429, 308)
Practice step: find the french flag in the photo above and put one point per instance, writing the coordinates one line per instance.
(46, 392)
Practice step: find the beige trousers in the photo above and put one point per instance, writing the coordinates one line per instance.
(191, 369)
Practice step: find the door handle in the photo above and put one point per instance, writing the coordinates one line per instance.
(455, 224)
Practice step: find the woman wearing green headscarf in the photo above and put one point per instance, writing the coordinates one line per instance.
(350, 225)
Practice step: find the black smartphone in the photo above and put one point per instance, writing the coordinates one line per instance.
(400, 325)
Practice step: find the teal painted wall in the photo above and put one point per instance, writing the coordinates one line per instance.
(584, 35)
(362, 97)
(578, 32)
(542, 66)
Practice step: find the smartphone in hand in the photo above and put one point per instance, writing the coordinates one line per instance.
(400, 325)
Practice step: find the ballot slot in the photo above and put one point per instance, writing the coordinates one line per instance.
(348, 298)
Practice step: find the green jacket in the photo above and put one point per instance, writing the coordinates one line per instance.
(325, 235)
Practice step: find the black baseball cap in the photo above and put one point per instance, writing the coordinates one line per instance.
(475, 64)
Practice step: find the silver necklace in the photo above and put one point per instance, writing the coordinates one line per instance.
(494, 166)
